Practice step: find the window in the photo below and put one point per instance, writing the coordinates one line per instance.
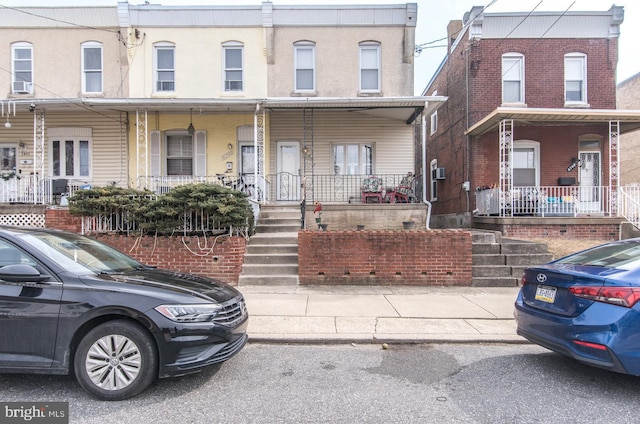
(352, 159)
(91, 67)
(22, 62)
(8, 159)
(434, 123)
(434, 183)
(179, 154)
(165, 68)
(370, 67)
(232, 66)
(575, 90)
(305, 64)
(526, 162)
(512, 78)
(70, 157)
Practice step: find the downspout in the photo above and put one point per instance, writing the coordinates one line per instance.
(424, 163)
(255, 155)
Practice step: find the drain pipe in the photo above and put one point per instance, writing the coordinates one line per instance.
(424, 163)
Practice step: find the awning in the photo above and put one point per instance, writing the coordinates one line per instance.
(629, 119)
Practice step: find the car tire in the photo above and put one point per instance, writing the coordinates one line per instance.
(116, 360)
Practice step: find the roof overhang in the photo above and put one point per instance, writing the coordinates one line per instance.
(629, 119)
(400, 108)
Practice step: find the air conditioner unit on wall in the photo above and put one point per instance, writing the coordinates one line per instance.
(22, 87)
(437, 174)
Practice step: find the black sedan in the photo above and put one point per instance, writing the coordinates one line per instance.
(69, 303)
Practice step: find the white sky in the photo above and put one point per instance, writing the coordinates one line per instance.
(433, 17)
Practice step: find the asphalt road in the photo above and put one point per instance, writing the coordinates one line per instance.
(449, 383)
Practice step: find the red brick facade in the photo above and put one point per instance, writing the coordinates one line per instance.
(471, 78)
(416, 258)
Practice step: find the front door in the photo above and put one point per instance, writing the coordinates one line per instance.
(590, 191)
(288, 171)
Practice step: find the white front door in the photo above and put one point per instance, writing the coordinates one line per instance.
(590, 191)
(288, 171)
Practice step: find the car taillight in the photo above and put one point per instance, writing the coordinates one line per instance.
(621, 296)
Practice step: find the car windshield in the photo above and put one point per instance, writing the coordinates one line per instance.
(80, 254)
(619, 256)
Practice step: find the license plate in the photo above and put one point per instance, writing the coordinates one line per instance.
(546, 294)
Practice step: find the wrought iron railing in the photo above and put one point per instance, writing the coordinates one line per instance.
(544, 201)
(629, 204)
(32, 189)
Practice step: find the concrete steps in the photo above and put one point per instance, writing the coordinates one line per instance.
(271, 258)
(499, 262)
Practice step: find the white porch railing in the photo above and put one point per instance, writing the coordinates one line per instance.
(31, 189)
(544, 201)
(629, 204)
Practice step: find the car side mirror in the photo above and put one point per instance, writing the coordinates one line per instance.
(21, 273)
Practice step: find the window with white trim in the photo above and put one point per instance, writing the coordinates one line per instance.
(305, 66)
(370, 67)
(526, 163)
(233, 66)
(178, 153)
(353, 159)
(179, 148)
(70, 156)
(92, 67)
(434, 123)
(433, 181)
(512, 78)
(164, 63)
(575, 78)
(8, 158)
(22, 68)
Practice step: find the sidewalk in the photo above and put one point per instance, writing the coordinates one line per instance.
(373, 314)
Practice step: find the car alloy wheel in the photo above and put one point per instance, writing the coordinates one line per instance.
(116, 360)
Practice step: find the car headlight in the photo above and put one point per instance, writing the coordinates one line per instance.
(189, 313)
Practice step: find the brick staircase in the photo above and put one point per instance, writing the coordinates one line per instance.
(271, 258)
(500, 262)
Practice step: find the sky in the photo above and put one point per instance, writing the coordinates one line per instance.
(433, 17)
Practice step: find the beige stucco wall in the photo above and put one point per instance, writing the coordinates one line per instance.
(198, 62)
(628, 97)
(338, 60)
(57, 70)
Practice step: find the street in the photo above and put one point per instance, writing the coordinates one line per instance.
(449, 383)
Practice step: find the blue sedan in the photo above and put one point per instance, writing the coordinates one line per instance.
(585, 306)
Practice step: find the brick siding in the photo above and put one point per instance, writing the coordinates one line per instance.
(412, 258)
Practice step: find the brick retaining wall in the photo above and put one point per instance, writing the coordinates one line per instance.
(416, 258)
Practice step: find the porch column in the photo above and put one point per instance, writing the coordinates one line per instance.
(258, 142)
(506, 167)
(38, 155)
(614, 166)
(142, 162)
(307, 152)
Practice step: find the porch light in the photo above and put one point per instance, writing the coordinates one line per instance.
(191, 129)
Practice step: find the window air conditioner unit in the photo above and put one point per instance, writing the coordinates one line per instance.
(437, 174)
(22, 87)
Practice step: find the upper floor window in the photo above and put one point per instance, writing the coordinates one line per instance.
(22, 63)
(370, 67)
(512, 78)
(305, 66)
(352, 159)
(92, 67)
(233, 75)
(575, 78)
(165, 75)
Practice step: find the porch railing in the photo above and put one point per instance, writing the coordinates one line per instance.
(32, 189)
(629, 204)
(289, 187)
(544, 201)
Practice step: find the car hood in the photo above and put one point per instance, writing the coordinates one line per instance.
(170, 282)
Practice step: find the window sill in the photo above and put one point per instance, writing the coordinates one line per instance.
(164, 94)
(370, 94)
(519, 104)
(304, 94)
(577, 105)
(92, 95)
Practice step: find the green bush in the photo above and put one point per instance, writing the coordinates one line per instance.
(191, 206)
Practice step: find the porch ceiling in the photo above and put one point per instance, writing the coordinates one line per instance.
(401, 108)
(629, 119)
